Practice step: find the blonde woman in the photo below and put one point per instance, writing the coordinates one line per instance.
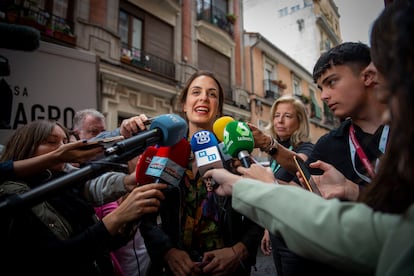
(289, 129)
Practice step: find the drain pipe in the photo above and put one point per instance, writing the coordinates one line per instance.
(258, 38)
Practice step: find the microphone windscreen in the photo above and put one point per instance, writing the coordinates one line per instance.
(219, 125)
(180, 153)
(142, 166)
(238, 137)
(19, 37)
(158, 162)
(172, 126)
(206, 152)
(178, 158)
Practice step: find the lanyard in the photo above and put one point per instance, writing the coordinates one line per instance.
(355, 147)
(276, 166)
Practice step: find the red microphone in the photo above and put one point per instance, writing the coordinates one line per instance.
(142, 166)
(169, 163)
(180, 153)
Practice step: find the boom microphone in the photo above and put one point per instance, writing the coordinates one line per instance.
(165, 130)
(239, 141)
(204, 145)
(19, 37)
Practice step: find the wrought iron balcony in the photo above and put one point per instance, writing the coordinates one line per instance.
(50, 26)
(147, 61)
(217, 17)
(271, 89)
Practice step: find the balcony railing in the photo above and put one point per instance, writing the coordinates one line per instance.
(271, 89)
(49, 25)
(147, 61)
(217, 17)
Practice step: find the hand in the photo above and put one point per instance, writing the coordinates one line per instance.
(75, 152)
(261, 140)
(266, 245)
(332, 183)
(224, 179)
(142, 200)
(221, 262)
(258, 172)
(180, 263)
(130, 181)
(133, 125)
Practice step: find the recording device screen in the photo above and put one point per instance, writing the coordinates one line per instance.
(303, 169)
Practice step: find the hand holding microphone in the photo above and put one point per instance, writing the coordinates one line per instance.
(206, 153)
(239, 141)
(165, 130)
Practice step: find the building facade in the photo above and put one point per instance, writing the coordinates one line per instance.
(303, 29)
(146, 50)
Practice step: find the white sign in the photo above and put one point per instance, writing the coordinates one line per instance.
(52, 82)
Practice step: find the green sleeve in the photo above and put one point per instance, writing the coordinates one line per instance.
(344, 234)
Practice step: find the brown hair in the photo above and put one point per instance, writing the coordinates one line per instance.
(25, 140)
(392, 39)
(184, 91)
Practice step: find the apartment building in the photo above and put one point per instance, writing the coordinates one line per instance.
(146, 50)
(303, 29)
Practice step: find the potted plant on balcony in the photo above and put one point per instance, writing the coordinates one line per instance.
(65, 34)
(231, 18)
(280, 84)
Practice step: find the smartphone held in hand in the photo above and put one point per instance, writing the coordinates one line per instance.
(307, 177)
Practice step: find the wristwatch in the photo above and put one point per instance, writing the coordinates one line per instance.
(272, 148)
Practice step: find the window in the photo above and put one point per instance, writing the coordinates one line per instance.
(294, 8)
(130, 30)
(147, 41)
(329, 117)
(315, 108)
(297, 88)
(269, 75)
(212, 9)
(60, 8)
(210, 59)
(307, 3)
(53, 18)
(283, 12)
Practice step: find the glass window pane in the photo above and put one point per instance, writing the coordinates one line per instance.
(137, 33)
(123, 27)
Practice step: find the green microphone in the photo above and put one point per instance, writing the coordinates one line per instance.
(239, 141)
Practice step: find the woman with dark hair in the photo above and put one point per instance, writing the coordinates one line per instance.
(200, 232)
(373, 236)
(60, 235)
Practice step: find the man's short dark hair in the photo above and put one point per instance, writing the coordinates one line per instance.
(352, 53)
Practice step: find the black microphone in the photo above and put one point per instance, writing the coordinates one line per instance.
(165, 130)
(19, 37)
(168, 129)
